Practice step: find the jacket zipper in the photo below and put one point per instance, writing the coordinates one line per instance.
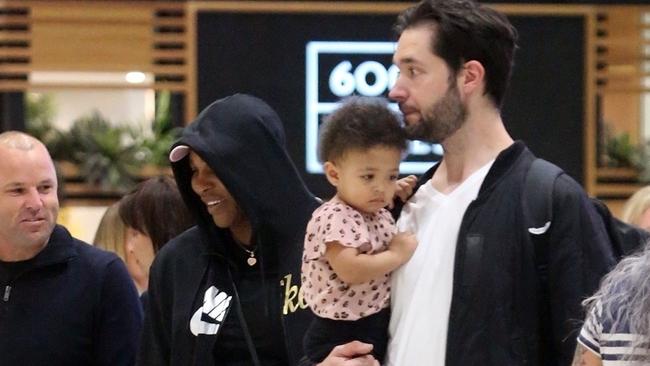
(10, 285)
(5, 297)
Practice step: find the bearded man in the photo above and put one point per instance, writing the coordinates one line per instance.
(471, 294)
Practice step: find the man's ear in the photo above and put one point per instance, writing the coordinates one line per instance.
(473, 78)
(331, 172)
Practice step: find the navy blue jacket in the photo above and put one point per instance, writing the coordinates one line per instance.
(72, 304)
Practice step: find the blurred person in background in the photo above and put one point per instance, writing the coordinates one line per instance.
(617, 329)
(111, 232)
(153, 214)
(636, 210)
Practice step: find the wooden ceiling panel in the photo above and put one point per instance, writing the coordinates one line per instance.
(84, 37)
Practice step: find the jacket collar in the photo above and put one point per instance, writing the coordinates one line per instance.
(502, 164)
(58, 249)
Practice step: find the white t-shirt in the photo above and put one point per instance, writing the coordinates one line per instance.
(422, 287)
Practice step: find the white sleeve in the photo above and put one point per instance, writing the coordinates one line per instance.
(591, 331)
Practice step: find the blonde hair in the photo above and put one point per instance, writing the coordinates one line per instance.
(636, 206)
(111, 232)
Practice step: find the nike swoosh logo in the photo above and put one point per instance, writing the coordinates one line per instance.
(215, 307)
(539, 230)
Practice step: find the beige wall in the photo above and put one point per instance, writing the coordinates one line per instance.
(81, 221)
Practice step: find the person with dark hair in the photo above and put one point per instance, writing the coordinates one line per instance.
(350, 244)
(477, 291)
(62, 301)
(226, 291)
(154, 213)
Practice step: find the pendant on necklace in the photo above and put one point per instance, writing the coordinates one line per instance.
(251, 260)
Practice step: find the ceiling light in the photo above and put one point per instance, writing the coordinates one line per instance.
(135, 77)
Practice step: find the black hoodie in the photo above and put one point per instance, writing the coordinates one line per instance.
(194, 316)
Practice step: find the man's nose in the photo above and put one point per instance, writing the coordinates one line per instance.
(33, 200)
(397, 93)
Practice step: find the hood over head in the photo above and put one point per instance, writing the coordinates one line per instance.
(242, 139)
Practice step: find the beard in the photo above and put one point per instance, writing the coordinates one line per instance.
(440, 120)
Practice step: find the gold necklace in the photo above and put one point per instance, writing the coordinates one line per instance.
(251, 260)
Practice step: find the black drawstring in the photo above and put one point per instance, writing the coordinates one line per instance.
(263, 275)
(242, 321)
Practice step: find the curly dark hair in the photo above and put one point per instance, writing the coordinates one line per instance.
(465, 30)
(360, 123)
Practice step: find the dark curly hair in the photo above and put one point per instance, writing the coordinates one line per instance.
(360, 123)
(465, 30)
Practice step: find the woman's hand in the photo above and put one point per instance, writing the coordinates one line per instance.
(354, 353)
(585, 357)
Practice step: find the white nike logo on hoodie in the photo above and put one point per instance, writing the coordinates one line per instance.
(215, 306)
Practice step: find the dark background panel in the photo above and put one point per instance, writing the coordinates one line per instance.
(264, 54)
(12, 111)
(545, 103)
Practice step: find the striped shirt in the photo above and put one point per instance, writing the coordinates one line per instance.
(611, 345)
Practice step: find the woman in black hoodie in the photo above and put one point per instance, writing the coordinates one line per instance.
(226, 292)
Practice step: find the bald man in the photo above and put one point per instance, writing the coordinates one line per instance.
(62, 301)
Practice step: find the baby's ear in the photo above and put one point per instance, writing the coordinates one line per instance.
(331, 172)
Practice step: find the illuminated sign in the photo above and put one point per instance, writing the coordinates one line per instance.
(337, 70)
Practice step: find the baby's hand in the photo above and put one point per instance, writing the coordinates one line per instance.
(403, 245)
(404, 187)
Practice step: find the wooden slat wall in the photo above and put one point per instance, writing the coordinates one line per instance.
(621, 57)
(15, 46)
(621, 46)
(169, 47)
(115, 36)
(90, 37)
(620, 49)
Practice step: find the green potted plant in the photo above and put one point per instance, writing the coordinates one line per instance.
(112, 157)
(106, 154)
(154, 144)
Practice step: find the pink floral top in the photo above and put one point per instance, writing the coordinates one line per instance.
(326, 294)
